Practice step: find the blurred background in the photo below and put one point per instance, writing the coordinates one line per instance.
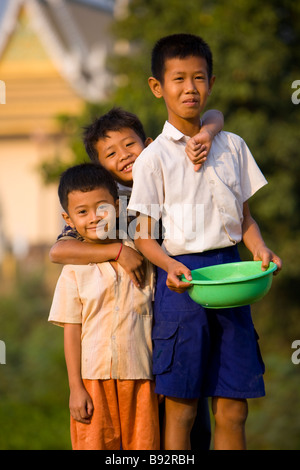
(63, 63)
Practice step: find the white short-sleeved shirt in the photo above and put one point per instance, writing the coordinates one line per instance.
(200, 210)
(115, 315)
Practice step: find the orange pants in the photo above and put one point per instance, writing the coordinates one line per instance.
(125, 417)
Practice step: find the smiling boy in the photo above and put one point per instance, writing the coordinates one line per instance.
(118, 152)
(107, 327)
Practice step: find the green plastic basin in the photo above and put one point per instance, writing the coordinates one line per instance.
(231, 284)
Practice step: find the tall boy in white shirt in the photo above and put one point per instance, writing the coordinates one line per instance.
(205, 215)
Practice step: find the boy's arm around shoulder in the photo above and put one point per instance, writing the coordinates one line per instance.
(198, 147)
(253, 240)
(71, 251)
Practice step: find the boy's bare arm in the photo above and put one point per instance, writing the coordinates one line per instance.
(154, 253)
(77, 252)
(212, 121)
(199, 146)
(81, 405)
(253, 240)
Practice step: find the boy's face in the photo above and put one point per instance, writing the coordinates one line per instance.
(118, 151)
(93, 214)
(185, 90)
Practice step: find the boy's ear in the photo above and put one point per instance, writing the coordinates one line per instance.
(155, 87)
(211, 83)
(148, 141)
(67, 219)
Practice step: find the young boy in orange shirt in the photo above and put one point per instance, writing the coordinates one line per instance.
(107, 324)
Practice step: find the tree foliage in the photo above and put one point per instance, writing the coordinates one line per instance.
(34, 410)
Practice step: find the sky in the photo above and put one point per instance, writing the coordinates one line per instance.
(3, 4)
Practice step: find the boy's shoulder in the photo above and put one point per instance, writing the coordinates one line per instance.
(230, 137)
(71, 272)
(226, 141)
(80, 277)
(222, 139)
(68, 233)
(159, 148)
(154, 146)
(148, 156)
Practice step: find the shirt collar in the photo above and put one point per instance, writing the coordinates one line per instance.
(172, 133)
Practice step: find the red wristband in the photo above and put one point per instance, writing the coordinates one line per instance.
(117, 257)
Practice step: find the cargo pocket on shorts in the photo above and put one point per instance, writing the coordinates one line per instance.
(164, 337)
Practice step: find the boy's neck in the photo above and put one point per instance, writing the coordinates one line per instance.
(188, 128)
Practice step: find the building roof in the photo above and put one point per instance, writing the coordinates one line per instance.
(75, 34)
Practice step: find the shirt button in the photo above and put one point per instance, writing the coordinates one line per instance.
(116, 309)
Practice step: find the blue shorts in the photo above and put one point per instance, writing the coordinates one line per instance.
(204, 352)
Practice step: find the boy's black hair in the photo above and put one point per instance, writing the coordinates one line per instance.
(114, 120)
(85, 177)
(179, 46)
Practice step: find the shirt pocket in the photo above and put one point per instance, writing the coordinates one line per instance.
(226, 169)
(164, 337)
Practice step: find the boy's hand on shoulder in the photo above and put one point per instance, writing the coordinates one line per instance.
(132, 262)
(265, 255)
(175, 271)
(198, 148)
